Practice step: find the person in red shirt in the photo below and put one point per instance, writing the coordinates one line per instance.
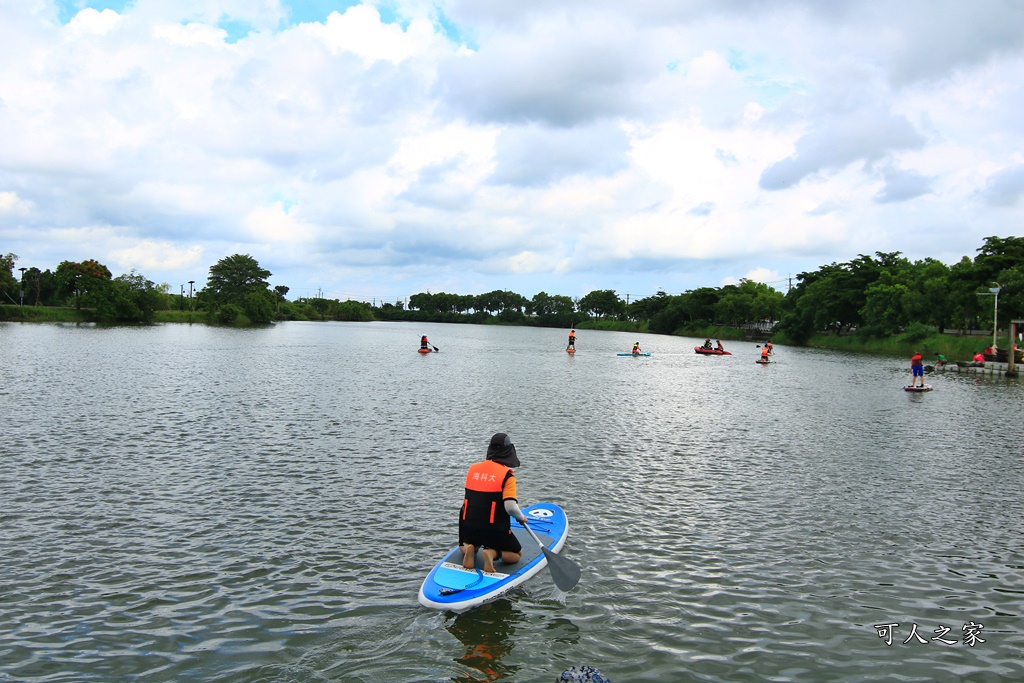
(490, 502)
(916, 369)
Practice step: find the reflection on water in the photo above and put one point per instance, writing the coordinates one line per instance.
(193, 503)
(488, 636)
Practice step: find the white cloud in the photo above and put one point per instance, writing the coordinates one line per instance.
(476, 142)
(12, 204)
(91, 22)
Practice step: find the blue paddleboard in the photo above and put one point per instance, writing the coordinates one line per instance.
(452, 587)
(632, 354)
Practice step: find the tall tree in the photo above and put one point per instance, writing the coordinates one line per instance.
(604, 303)
(238, 280)
(8, 284)
(80, 279)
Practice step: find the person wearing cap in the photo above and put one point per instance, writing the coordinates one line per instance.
(490, 502)
(916, 369)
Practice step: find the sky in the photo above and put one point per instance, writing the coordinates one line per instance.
(374, 150)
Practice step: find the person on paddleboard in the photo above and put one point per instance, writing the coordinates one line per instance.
(572, 340)
(636, 349)
(424, 344)
(764, 353)
(489, 503)
(916, 369)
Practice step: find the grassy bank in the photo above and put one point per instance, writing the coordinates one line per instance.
(44, 314)
(952, 347)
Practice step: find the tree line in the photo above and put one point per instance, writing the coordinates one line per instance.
(876, 295)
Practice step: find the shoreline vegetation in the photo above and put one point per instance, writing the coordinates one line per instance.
(930, 342)
(882, 303)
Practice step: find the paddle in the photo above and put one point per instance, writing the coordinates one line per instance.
(564, 572)
(435, 349)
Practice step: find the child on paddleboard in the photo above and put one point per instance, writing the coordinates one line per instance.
(490, 501)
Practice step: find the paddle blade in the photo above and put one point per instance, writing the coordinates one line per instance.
(564, 572)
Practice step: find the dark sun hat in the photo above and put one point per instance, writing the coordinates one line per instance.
(501, 450)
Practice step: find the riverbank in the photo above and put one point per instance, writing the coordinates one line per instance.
(953, 347)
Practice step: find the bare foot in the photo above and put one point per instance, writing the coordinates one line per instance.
(469, 557)
(489, 559)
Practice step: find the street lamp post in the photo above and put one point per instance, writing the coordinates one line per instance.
(994, 292)
(190, 283)
(22, 288)
(181, 299)
(995, 313)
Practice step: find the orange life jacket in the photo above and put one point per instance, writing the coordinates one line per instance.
(484, 484)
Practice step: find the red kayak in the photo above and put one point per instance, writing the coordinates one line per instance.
(710, 352)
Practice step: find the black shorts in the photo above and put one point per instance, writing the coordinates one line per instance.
(489, 537)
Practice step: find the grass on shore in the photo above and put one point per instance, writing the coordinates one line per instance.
(953, 347)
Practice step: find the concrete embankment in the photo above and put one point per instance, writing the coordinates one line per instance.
(987, 368)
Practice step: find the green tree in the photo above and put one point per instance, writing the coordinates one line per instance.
(648, 307)
(132, 297)
(82, 279)
(240, 281)
(885, 307)
(8, 284)
(603, 303)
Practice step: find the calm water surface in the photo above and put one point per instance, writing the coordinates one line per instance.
(185, 503)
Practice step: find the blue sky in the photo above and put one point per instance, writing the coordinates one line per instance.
(373, 150)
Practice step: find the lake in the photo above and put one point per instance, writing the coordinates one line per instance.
(208, 504)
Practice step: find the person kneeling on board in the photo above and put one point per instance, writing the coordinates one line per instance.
(636, 349)
(490, 502)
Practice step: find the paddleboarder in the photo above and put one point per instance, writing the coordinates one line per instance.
(916, 369)
(636, 349)
(765, 350)
(572, 340)
(424, 344)
(489, 503)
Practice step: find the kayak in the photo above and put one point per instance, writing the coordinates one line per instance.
(711, 352)
(452, 587)
(633, 354)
